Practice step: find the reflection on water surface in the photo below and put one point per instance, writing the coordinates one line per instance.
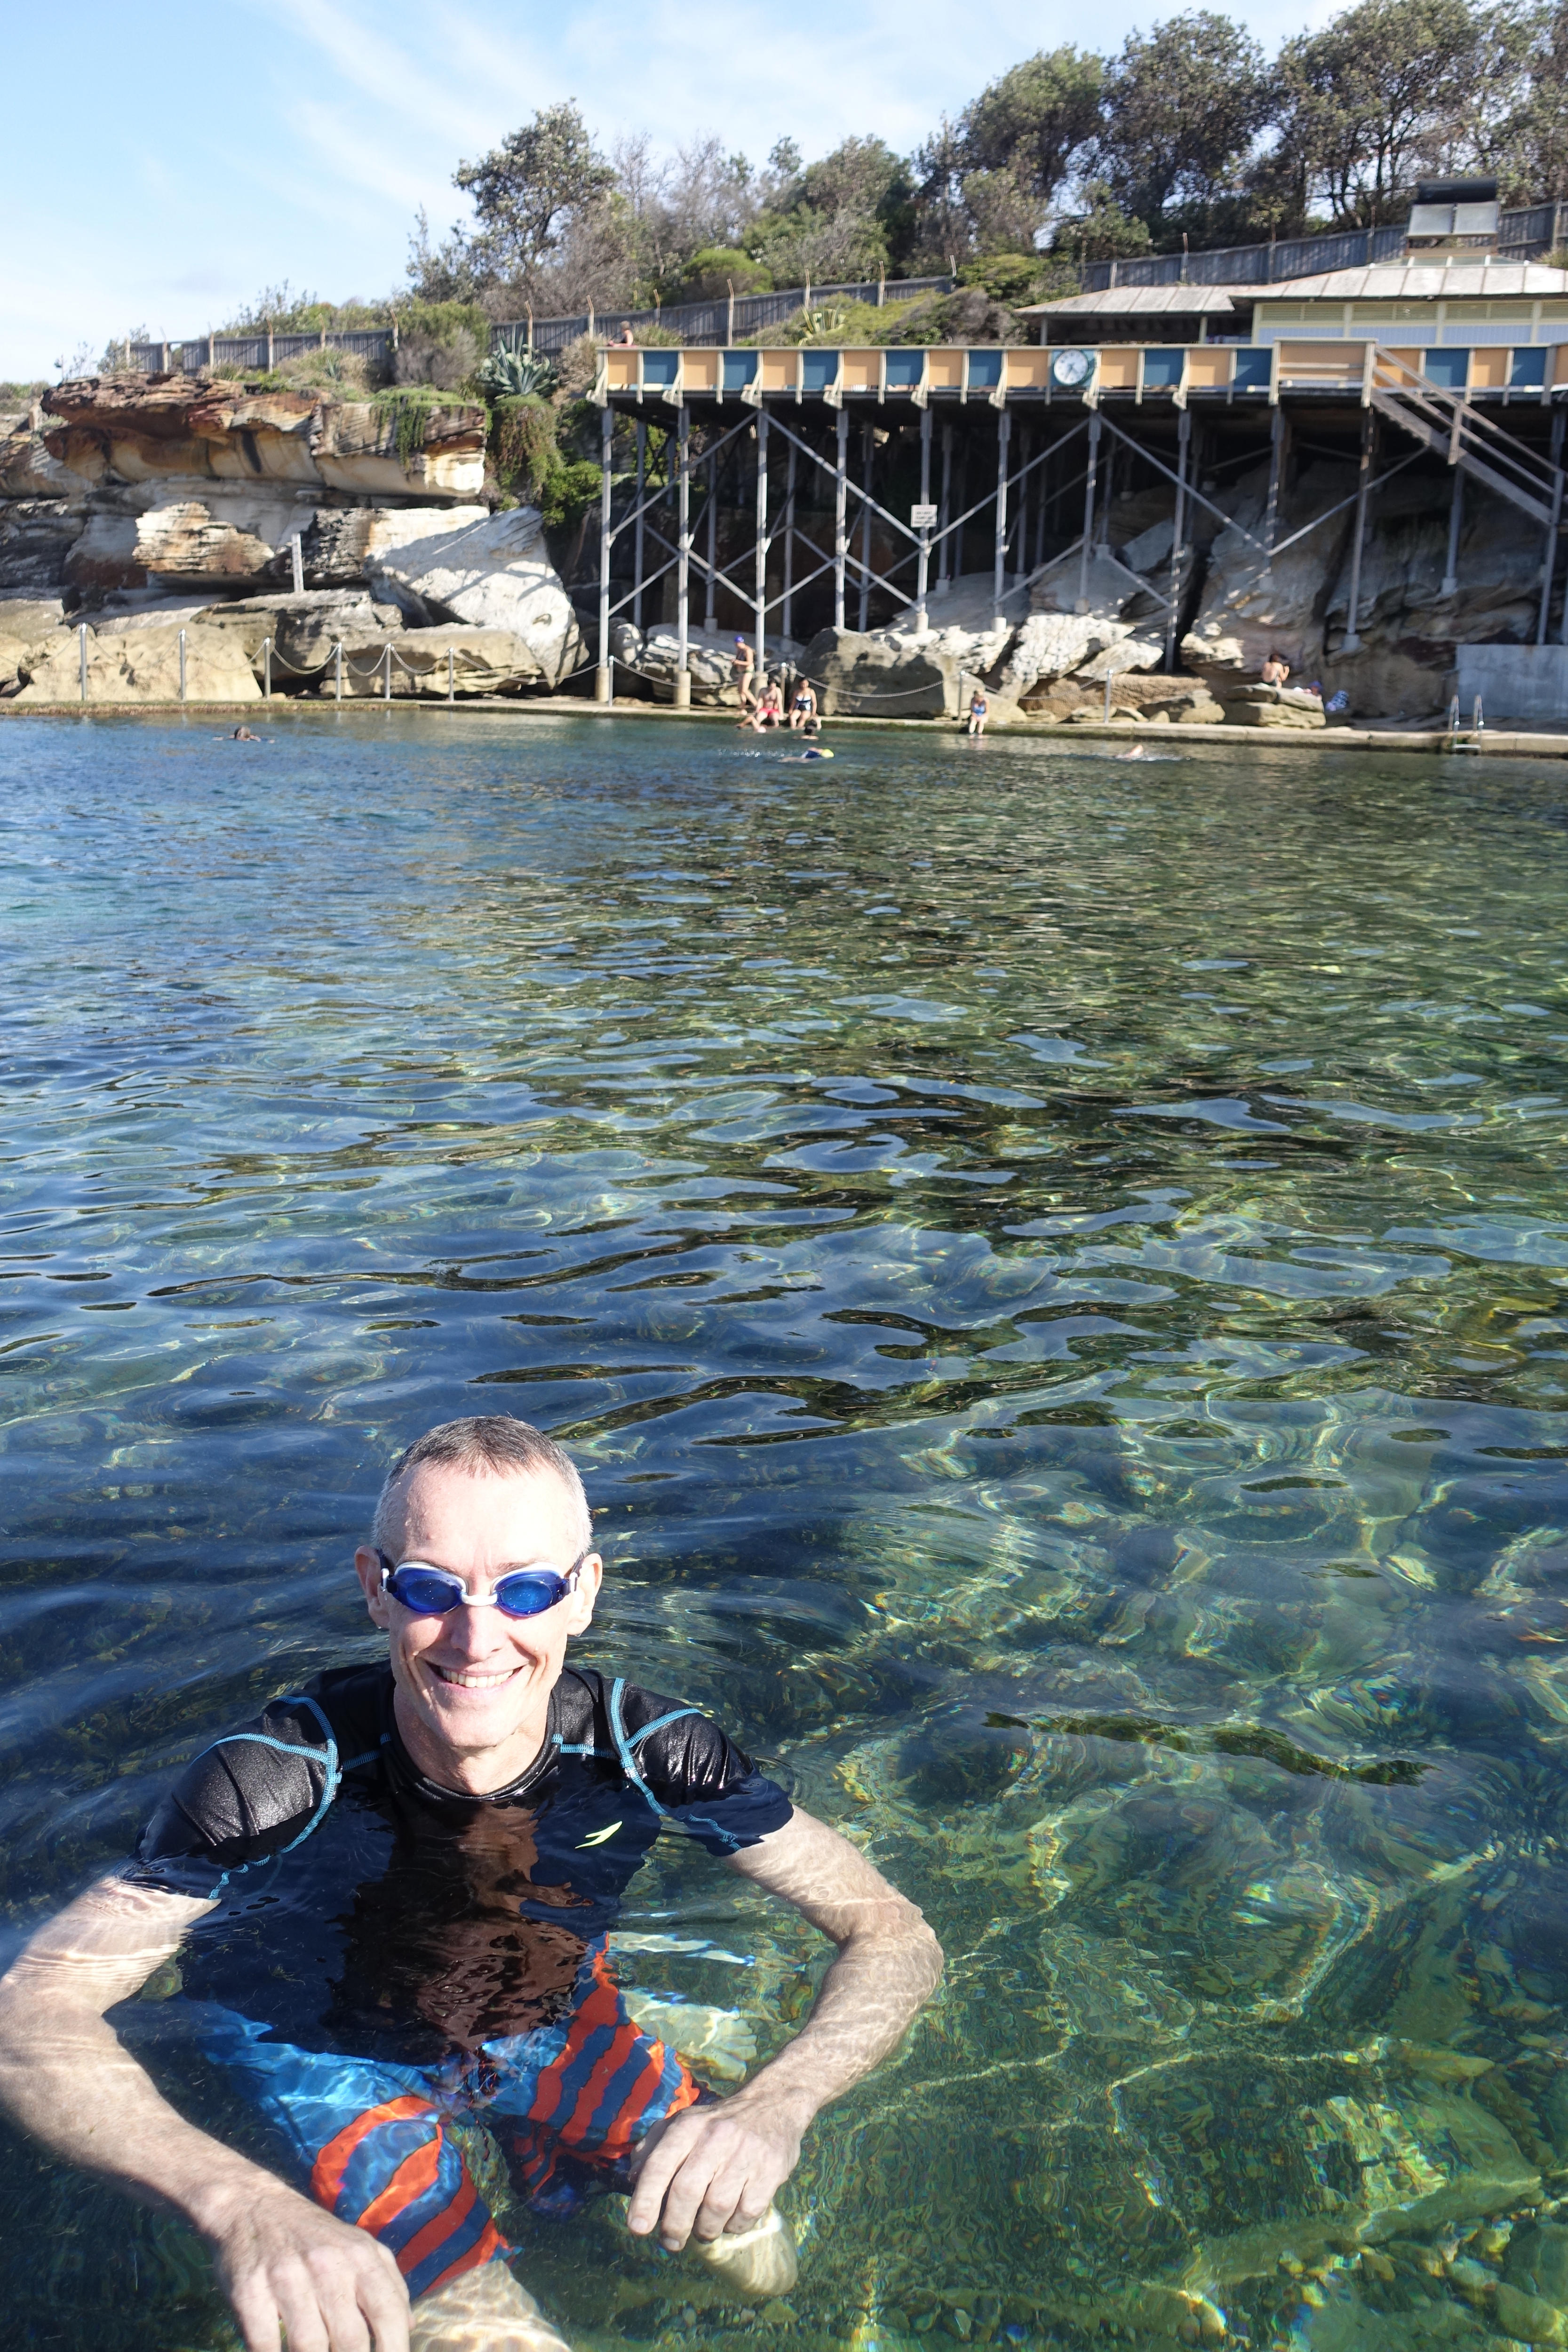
(1054, 1272)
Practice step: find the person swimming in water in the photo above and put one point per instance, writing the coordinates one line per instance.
(244, 735)
(390, 1895)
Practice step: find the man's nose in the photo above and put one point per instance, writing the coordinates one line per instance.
(472, 1631)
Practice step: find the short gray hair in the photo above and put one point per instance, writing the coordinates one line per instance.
(483, 1444)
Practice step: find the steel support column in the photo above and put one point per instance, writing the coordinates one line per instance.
(1276, 448)
(708, 610)
(944, 513)
(922, 574)
(1549, 560)
(683, 562)
(787, 617)
(1358, 541)
(1088, 491)
(1004, 440)
(840, 513)
(760, 598)
(637, 555)
(868, 453)
(1456, 525)
(1178, 540)
(603, 676)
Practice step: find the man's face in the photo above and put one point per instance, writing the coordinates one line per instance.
(477, 1679)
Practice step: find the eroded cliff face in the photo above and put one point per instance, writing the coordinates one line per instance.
(168, 479)
(129, 501)
(136, 429)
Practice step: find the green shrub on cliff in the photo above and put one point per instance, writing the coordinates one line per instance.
(836, 323)
(568, 493)
(407, 407)
(522, 444)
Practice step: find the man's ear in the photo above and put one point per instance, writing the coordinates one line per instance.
(580, 1600)
(367, 1567)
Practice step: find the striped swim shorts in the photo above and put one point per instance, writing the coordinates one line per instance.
(372, 2141)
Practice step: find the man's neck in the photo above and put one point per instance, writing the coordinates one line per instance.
(470, 1773)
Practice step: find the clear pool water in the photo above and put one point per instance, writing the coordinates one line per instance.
(1053, 1271)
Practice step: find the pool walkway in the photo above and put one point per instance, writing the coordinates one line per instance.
(1497, 742)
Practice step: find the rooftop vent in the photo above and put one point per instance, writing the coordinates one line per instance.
(1454, 217)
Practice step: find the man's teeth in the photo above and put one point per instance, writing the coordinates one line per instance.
(473, 1681)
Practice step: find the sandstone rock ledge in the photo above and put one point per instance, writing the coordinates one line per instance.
(138, 506)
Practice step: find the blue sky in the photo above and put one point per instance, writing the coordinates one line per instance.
(159, 169)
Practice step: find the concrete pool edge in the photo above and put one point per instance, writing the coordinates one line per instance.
(1501, 742)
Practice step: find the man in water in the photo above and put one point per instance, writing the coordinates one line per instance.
(389, 1895)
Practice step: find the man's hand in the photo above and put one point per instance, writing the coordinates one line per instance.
(715, 2168)
(289, 2268)
(65, 2077)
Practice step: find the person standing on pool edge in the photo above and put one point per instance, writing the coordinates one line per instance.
(452, 1830)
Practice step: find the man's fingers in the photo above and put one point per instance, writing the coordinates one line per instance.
(385, 2303)
(705, 2182)
(258, 2314)
(337, 2297)
(300, 2306)
(656, 2168)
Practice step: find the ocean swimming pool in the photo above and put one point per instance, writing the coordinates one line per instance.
(1054, 1273)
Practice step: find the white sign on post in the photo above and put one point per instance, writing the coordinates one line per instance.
(923, 518)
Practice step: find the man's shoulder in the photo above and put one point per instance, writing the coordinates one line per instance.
(261, 1787)
(687, 1763)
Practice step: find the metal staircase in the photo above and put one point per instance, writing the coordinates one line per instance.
(1449, 425)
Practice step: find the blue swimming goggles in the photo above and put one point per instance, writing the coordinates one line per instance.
(430, 1591)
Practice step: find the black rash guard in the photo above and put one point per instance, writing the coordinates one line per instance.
(366, 1909)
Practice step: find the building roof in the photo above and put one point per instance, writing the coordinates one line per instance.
(1147, 302)
(1421, 282)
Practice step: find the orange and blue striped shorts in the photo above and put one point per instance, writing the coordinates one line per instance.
(372, 2141)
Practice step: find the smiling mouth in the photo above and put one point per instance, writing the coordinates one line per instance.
(466, 1679)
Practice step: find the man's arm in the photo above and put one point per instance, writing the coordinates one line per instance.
(66, 2078)
(716, 2169)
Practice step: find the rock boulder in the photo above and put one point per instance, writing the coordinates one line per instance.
(1271, 706)
(426, 663)
(882, 676)
(490, 570)
(24, 624)
(1251, 608)
(140, 665)
(1049, 645)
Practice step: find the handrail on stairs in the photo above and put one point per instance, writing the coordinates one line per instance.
(1445, 419)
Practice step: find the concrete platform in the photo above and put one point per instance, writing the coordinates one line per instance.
(1497, 743)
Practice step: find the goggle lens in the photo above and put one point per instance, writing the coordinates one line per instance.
(427, 1592)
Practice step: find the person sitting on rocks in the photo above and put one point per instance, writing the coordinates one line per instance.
(802, 716)
(1276, 670)
(391, 1895)
(979, 710)
(770, 706)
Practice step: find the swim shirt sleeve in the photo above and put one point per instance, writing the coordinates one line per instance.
(245, 1799)
(695, 1772)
